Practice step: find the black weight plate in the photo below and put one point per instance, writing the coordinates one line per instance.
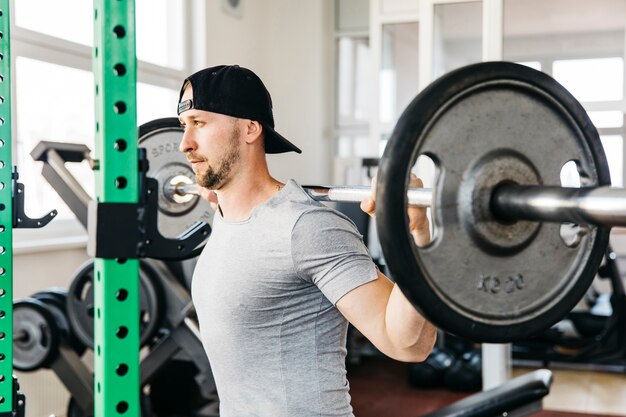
(35, 335)
(56, 298)
(80, 305)
(476, 113)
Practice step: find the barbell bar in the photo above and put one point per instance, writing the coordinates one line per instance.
(417, 197)
(600, 206)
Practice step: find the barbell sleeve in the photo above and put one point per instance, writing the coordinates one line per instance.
(418, 197)
(599, 205)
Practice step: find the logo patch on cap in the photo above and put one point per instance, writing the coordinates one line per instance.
(184, 106)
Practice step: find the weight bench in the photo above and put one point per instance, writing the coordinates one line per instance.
(518, 397)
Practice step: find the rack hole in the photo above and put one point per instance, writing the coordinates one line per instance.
(121, 332)
(122, 369)
(122, 407)
(121, 294)
(119, 69)
(120, 107)
(120, 145)
(121, 182)
(119, 31)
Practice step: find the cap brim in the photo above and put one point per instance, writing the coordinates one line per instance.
(276, 143)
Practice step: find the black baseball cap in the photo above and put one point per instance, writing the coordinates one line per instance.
(235, 91)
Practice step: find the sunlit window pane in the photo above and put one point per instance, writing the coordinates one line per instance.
(457, 36)
(71, 20)
(614, 150)
(353, 97)
(159, 25)
(599, 79)
(155, 102)
(58, 107)
(607, 119)
(353, 146)
(160, 32)
(399, 72)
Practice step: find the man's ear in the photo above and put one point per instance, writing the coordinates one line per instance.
(253, 130)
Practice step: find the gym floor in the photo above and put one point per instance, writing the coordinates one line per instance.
(379, 387)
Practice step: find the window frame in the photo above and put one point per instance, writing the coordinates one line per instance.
(69, 233)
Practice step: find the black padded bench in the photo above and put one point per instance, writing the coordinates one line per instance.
(518, 397)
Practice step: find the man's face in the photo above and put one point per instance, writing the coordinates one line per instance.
(211, 143)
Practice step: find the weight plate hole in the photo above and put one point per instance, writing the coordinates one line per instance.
(571, 174)
(427, 168)
(571, 234)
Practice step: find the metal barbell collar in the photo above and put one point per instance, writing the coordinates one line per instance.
(595, 205)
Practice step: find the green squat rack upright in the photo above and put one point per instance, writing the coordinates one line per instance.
(116, 286)
(6, 217)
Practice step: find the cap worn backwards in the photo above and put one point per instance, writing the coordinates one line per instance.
(235, 91)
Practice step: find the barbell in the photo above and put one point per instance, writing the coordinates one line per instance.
(498, 268)
(509, 202)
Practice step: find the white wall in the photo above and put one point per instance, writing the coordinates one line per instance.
(37, 270)
(288, 43)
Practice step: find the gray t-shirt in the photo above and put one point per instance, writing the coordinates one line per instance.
(265, 291)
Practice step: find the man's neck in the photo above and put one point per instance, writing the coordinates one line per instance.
(239, 197)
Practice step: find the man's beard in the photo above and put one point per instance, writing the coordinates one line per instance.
(215, 178)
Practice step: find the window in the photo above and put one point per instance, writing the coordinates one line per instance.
(54, 86)
(353, 99)
(606, 84)
(582, 47)
(457, 36)
(159, 26)
(399, 70)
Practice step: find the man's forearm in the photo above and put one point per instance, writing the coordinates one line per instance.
(412, 336)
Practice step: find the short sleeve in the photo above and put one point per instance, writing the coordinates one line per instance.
(328, 251)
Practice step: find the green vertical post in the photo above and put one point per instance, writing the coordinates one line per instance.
(116, 281)
(6, 216)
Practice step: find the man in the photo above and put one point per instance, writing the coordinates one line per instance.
(281, 274)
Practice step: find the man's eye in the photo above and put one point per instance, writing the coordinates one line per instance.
(196, 123)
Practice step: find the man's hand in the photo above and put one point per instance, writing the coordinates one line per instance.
(418, 221)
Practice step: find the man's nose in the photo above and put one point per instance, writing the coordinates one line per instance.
(187, 143)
